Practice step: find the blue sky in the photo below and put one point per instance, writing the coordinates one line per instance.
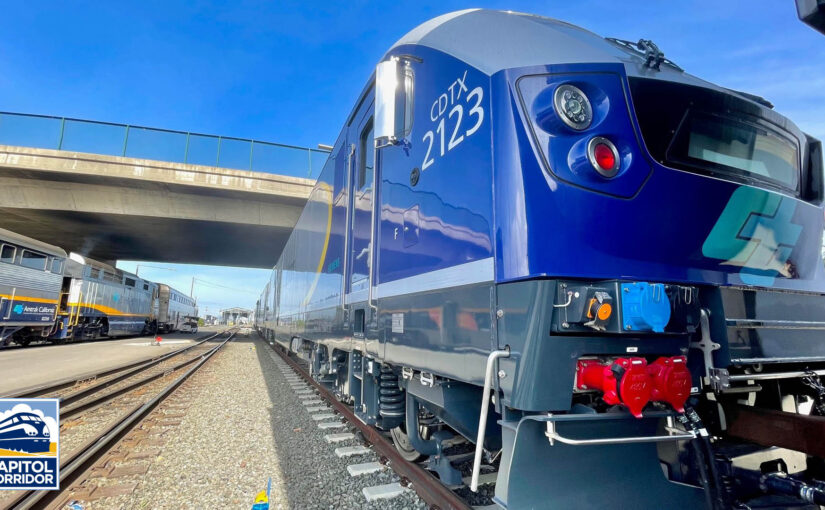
(290, 71)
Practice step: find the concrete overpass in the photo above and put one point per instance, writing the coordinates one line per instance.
(116, 207)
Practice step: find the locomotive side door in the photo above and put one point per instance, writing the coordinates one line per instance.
(359, 244)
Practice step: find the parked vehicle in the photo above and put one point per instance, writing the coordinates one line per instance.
(173, 308)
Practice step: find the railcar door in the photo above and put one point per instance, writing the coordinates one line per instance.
(362, 193)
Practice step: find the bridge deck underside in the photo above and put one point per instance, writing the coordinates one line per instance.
(110, 237)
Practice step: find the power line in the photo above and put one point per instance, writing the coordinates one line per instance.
(212, 284)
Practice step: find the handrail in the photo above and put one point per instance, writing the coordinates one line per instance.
(11, 303)
(553, 435)
(482, 417)
(125, 140)
(76, 310)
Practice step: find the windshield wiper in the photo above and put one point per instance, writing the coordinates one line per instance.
(647, 49)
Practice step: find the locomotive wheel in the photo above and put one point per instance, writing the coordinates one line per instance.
(402, 444)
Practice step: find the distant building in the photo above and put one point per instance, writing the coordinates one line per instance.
(232, 316)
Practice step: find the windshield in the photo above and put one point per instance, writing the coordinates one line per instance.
(720, 133)
(736, 147)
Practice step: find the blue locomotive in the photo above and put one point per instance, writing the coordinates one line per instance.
(601, 270)
(24, 432)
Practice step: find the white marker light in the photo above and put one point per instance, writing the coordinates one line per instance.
(573, 107)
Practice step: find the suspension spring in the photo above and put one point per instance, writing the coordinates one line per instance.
(391, 398)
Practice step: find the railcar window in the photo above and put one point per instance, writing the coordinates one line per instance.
(7, 254)
(145, 286)
(57, 266)
(367, 158)
(129, 282)
(33, 260)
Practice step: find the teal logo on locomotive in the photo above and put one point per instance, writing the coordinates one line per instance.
(29, 443)
(756, 233)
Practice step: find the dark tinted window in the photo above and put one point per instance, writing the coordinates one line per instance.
(718, 133)
(367, 157)
(7, 254)
(738, 148)
(33, 260)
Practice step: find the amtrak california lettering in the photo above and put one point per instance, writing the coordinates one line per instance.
(29, 443)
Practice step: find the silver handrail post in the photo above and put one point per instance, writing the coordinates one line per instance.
(485, 407)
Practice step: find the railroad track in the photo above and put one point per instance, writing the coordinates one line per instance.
(413, 475)
(74, 465)
(71, 387)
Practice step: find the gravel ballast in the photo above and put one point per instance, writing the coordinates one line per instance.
(245, 424)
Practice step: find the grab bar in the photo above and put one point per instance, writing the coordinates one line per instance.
(11, 302)
(553, 436)
(482, 418)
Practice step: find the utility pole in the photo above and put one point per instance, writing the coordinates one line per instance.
(192, 287)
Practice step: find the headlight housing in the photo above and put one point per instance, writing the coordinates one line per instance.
(573, 107)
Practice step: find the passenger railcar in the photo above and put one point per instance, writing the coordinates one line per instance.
(31, 276)
(174, 307)
(100, 301)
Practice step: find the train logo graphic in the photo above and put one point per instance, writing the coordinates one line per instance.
(756, 233)
(29, 443)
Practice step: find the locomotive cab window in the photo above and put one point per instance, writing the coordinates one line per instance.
(33, 260)
(7, 254)
(57, 266)
(129, 282)
(367, 158)
(737, 148)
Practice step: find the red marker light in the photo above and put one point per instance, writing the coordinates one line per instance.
(604, 156)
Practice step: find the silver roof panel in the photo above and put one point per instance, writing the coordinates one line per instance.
(28, 242)
(494, 40)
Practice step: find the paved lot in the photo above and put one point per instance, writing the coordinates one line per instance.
(23, 368)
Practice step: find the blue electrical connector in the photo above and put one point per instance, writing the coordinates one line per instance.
(645, 307)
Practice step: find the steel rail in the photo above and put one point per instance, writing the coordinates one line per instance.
(84, 458)
(70, 411)
(41, 389)
(428, 487)
(85, 392)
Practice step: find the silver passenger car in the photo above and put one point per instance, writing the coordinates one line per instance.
(31, 275)
(173, 307)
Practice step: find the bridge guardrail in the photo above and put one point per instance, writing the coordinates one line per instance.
(78, 135)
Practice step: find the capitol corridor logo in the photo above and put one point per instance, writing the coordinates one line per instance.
(29, 443)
